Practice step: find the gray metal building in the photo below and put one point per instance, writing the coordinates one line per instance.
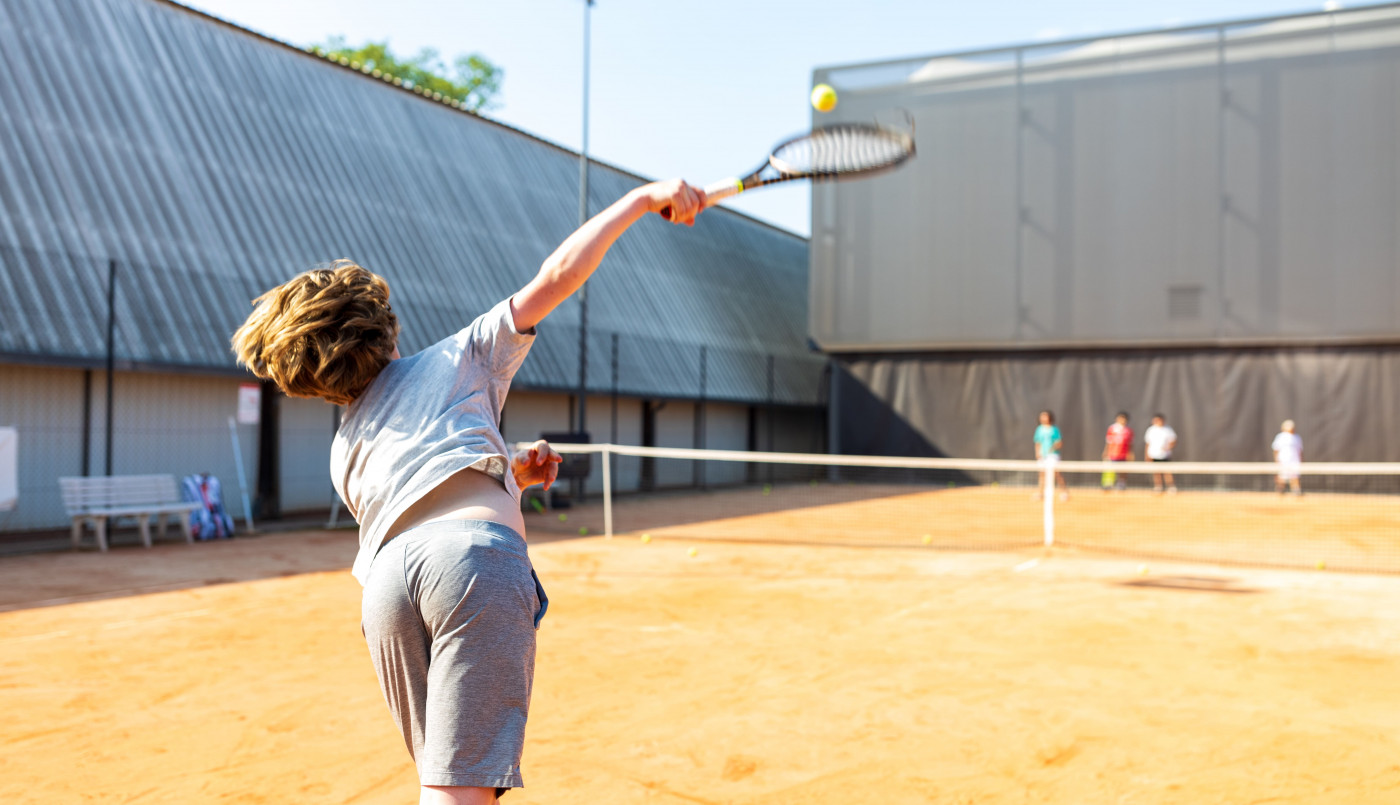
(1199, 221)
(208, 163)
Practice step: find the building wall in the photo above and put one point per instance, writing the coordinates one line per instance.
(726, 427)
(529, 413)
(305, 429)
(1223, 185)
(162, 423)
(45, 405)
(178, 424)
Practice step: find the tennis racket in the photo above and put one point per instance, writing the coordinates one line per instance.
(841, 151)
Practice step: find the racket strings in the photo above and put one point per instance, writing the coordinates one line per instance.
(842, 149)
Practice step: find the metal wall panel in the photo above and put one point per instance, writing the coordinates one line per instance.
(1228, 184)
(46, 406)
(305, 431)
(161, 423)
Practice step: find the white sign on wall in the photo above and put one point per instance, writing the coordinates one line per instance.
(9, 468)
(249, 403)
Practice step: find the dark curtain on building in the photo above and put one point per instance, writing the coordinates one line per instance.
(1225, 404)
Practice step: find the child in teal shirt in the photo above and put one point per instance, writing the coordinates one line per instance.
(1047, 452)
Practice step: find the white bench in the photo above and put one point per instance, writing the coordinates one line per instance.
(99, 499)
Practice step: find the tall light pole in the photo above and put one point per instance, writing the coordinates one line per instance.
(582, 218)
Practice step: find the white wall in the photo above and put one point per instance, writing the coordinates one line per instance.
(162, 423)
(528, 414)
(675, 427)
(46, 406)
(305, 430)
(726, 428)
(626, 474)
(178, 424)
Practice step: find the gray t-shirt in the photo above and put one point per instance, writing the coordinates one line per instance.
(423, 419)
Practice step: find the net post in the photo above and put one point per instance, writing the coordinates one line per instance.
(606, 455)
(1048, 518)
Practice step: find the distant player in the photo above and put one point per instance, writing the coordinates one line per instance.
(1118, 446)
(451, 601)
(1158, 441)
(1288, 454)
(1047, 452)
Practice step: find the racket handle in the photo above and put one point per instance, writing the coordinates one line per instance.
(721, 190)
(715, 193)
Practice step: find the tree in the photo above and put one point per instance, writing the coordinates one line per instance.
(475, 81)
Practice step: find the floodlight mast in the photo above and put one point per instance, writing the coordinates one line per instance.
(582, 219)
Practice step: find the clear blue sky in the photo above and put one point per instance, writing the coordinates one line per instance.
(702, 89)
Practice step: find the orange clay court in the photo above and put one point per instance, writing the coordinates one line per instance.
(820, 655)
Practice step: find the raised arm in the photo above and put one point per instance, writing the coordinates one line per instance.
(578, 256)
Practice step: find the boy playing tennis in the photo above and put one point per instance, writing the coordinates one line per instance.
(451, 601)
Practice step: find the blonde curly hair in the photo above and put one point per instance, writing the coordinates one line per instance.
(326, 333)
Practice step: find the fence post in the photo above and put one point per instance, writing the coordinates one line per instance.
(768, 416)
(111, 352)
(87, 422)
(699, 436)
(607, 491)
(612, 438)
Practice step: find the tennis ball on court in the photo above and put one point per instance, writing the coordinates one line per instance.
(583, 532)
(691, 552)
(1321, 565)
(646, 538)
(563, 518)
(1142, 570)
(928, 539)
(823, 98)
(767, 489)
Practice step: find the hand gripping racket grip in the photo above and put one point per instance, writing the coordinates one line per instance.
(715, 193)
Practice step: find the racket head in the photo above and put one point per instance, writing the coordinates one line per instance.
(842, 150)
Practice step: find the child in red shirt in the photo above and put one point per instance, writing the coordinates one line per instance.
(1118, 446)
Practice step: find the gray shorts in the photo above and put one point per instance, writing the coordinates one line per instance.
(450, 612)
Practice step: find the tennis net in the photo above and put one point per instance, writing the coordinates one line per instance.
(1347, 516)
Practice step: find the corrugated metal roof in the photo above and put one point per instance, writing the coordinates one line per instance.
(212, 163)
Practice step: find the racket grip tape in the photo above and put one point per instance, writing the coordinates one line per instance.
(715, 193)
(721, 190)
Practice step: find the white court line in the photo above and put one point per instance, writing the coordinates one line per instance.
(909, 610)
(40, 636)
(169, 616)
(1026, 565)
(193, 613)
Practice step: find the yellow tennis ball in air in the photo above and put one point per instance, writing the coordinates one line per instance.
(646, 538)
(928, 539)
(823, 98)
(692, 552)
